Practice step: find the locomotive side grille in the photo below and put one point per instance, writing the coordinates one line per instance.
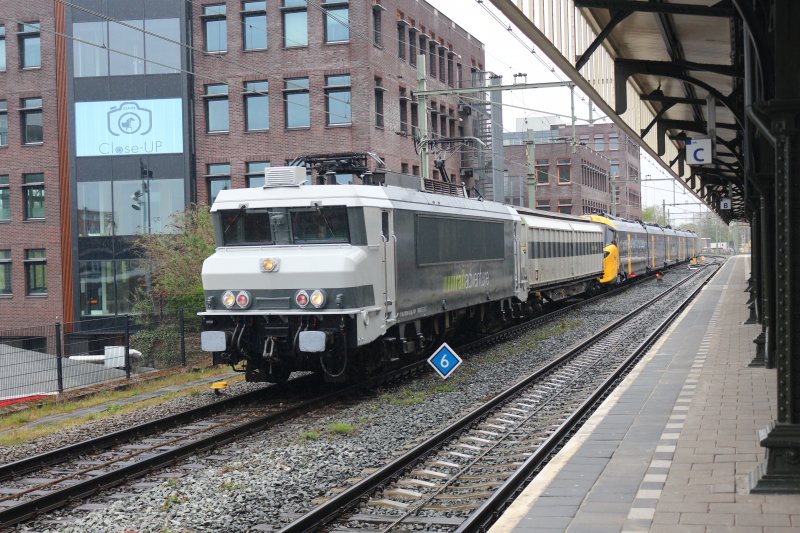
(441, 187)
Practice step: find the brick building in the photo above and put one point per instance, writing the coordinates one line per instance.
(577, 178)
(146, 106)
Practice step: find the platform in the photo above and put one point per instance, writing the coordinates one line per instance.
(675, 447)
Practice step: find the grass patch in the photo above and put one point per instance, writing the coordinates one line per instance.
(169, 501)
(341, 428)
(61, 407)
(445, 387)
(171, 483)
(309, 435)
(407, 398)
(229, 485)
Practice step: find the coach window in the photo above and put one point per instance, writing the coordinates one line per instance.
(216, 98)
(31, 121)
(337, 29)
(295, 23)
(564, 171)
(219, 179)
(256, 173)
(215, 28)
(254, 25)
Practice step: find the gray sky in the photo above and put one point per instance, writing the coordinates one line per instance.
(506, 56)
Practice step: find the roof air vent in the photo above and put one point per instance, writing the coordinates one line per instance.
(284, 176)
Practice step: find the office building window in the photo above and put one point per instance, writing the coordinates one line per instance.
(422, 43)
(377, 25)
(30, 45)
(31, 120)
(5, 199)
(442, 65)
(541, 172)
(403, 111)
(5, 272)
(295, 23)
(2, 48)
(451, 81)
(564, 171)
(216, 108)
(215, 28)
(613, 141)
(337, 29)
(614, 169)
(565, 206)
(256, 104)
(414, 118)
(432, 46)
(255, 173)
(412, 46)
(401, 39)
(158, 51)
(254, 25)
(598, 143)
(543, 205)
(128, 39)
(219, 179)
(296, 104)
(33, 195)
(379, 103)
(3, 123)
(95, 211)
(337, 100)
(35, 272)
(147, 206)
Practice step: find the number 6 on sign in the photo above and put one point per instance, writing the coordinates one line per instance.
(444, 361)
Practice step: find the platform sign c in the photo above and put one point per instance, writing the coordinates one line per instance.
(444, 361)
(698, 151)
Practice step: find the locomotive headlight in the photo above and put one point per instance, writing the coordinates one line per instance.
(301, 298)
(317, 298)
(243, 299)
(228, 299)
(270, 264)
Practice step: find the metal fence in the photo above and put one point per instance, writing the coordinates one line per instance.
(48, 360)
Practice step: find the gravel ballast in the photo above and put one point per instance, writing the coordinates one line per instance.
(265, 479)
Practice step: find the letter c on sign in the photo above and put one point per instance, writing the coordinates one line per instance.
(697, 154)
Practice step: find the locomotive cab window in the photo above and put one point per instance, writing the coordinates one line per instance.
(259, 227)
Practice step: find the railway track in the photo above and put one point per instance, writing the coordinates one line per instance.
(58, 478)
(461, 477)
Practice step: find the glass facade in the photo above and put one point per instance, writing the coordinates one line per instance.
(130, 177)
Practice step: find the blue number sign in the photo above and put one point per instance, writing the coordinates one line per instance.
(444, 360)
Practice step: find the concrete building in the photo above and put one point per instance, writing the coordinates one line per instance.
(115, 115)
(587, 176)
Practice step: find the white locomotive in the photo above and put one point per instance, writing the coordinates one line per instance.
(348, 279)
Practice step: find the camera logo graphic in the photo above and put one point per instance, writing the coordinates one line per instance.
(129, 118)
